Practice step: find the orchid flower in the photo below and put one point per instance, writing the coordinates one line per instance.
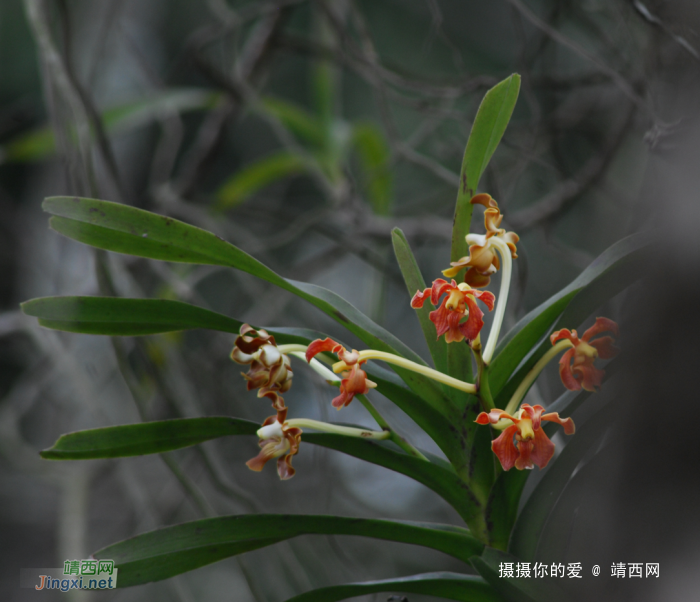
(270, 369)
(280, 439)
(459, 303)
(354, 381)
(482, 260)
(533, 445)
(576, 365)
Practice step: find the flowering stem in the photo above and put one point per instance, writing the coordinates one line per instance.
(504, 252)
(337, 429)
(533, 374)
(393, 435)
(390, 358)
(330, 377)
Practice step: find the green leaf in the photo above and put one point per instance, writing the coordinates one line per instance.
(374, 154)
(453, 586)
(124, 229)
(256, 175)
(175, 550)
(436, 474)
(513, 589)
(124, 317)
(40, 143)
(297, 120)
(489, 125)
(533, 517)
(414, 282)
(618, 267)
(145, 438)
(161, 436)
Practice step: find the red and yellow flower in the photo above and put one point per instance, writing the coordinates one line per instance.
(270, 370)
(482, 260)
(576, 365)
(277, 440)
(533, 446)
(459, 303)
(354, 381)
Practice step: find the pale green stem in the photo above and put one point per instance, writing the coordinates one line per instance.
(337, 429)
(390, 358)
(506, 272)
(533, 374)
(330, 377)
(292, 348)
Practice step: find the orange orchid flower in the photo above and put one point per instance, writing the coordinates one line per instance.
(483, 259)
(459, 303)
(581, 373)
(277, 440)
(270, 370)
(354, 381)
(533, 445)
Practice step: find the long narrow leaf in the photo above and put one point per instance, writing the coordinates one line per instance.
(453, 586)
(124, 229)
(167, 435)
(174, 550)
(145, 438)
(124, 317)
(489, 125)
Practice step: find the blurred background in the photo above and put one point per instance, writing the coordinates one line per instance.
(303, 131)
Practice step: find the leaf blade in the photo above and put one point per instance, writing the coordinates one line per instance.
(145, 438)
(452, 586)
(124, 229)
(489, 125)
(124, 316)
(174, 550)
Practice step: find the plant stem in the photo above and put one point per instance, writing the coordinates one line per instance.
(533, 374)
(337, 429)
(390, 358)
(506, 272)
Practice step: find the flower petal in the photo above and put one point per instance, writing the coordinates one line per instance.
(471, 328)
(320, 346)
(487, 298)
(588, 375)
(476, 280)
(564, 333)
(567, 376)
(567, 423)
(504, 448)
(420, 297)
(601, 325)
(604, 346)
(542, 449)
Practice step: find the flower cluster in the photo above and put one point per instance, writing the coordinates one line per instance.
(270, 370)
(523, 443)
(482, 260)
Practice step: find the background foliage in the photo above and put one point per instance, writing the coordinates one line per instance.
(302, 132)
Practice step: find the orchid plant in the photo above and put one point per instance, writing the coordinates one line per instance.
(470, 402)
